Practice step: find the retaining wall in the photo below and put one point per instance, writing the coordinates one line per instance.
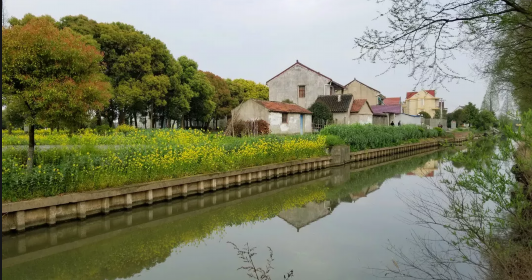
(50, 210)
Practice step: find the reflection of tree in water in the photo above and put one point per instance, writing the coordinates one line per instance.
(254, 271)
(476, 150)
(467, 217)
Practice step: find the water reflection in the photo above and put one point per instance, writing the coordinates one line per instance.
(123, 244)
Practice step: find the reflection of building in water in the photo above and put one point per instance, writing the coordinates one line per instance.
(426, 170)
(311, 212)
(362, 193)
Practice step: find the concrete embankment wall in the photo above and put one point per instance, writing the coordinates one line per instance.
(50, 210)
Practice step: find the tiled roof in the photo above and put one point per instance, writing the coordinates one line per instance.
(281, 107)
(358, 104)
(410, 94)
(379, 109)
(392, 101)
(334, 105)
(299, 63)
(430, 91)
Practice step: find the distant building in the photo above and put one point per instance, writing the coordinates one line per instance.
(392, 101)
(385, 114)
(347, 110)
(284, 118)
(424, 100)
(360, 90)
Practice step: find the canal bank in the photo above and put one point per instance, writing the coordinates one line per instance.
(133, 243)
(50, 210)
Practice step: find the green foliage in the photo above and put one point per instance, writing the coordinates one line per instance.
(439, 130)
(243, 90)
(470, 113)
(124, 128)
(361, 137)
(55, 78)
(458, 116)
(437, 114)
(333, 140)
(425, 114)
(141, 156)
(103, 129)
(222, 96)
(320, 112)
(288, 101)
(485, 120)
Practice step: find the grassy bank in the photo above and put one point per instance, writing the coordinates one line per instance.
(362, 137)
(149, 156)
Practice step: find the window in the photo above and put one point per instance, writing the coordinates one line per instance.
(285, 118)
(331, 90)
(301, 91)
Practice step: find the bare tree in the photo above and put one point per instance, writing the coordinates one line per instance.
(426, 34)
(476, 230)
(247, 253)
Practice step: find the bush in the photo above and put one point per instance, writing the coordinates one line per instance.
(361, 137)
(125, 128)
(103, 129)
(248, 128)
(320, 112)
(439, 130)
(333, 140)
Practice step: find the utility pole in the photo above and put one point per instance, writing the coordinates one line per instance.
(441, 111)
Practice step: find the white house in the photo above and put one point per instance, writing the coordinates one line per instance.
(284, 118)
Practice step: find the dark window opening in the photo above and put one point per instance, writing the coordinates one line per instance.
(301, 91)
(331, 90)
(285, 117)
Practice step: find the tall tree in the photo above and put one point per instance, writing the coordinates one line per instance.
(470, 112)
(244, 89)
(222, 96)
(491, 98)
(50, 74)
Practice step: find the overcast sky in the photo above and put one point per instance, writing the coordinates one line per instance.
(257, 39)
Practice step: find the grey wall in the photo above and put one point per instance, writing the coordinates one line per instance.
(361, 118)
(285, 86)
(292, 127)
(250, 110)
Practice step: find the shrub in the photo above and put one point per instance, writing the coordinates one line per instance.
(439, 130)
(103, 129)
(125, 128)
(320, 112)
(361, 137)
(333, 140)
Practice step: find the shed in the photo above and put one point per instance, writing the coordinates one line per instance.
(284, 118)
(361, 112)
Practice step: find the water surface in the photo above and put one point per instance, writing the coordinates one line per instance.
(327, 224)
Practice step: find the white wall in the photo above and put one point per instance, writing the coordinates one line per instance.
(341, 118)
(361, 119)
(292, 127)
(405, 119)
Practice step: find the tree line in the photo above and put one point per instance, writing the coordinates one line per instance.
(137, 78)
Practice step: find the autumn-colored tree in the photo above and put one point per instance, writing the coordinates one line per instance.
(52, 75)
(222, 96)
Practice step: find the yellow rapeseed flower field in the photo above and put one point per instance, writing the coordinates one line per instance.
(138, 156)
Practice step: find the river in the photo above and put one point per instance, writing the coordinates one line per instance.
(327, 224)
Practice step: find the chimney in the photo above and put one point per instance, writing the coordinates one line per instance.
(339, 97)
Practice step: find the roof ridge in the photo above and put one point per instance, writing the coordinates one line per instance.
(299, 63)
